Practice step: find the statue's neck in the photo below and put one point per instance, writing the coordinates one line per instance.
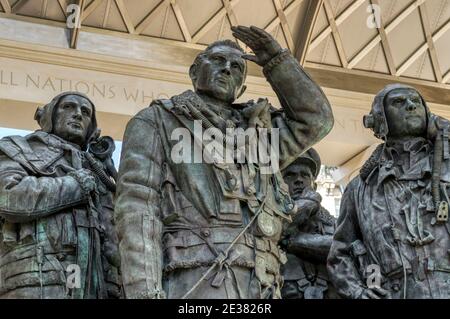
(218, 106)
(400, 144)
(72, 144)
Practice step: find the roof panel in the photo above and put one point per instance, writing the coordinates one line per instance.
(438, 13)
(172, 30)
(296, 19)
(115, 21)
(138, 9)
(29, 8)
(158, 24)
(54, 12)
(338, 6)
(355, 33)
(325, 53)
(321, 23)
(255, 12)
(95, 19)
(421, 69)
(276, 31)
(405, 39)
(279, 36)
(411, 29)
(391, 9)
(374, 61)
(443, 52)
(226, 32)
(215, 32)
(288, 2)
(198, 12)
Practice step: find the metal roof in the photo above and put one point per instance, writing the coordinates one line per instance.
(412, 41)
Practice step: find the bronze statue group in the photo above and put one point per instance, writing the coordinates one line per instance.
(73, 227)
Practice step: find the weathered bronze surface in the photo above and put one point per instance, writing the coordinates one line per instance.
(179, 222)
(56, 211)
(307, 239)
(392, 238)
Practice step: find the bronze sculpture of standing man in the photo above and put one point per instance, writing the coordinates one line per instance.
(56, 207)
(210, 230)
(308, 238)
(393, 235)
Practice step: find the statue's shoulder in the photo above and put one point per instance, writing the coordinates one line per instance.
(353, 186)
(12, 144)
(162, 107)
(372, 163)
(8, 147)
(150, 114)
(35, 151)
(25, 149)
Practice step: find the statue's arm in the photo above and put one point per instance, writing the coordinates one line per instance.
(137, 209)
(24, 198)
(307, 116)
(341, 266)
(110, 250)
(312, 247)
(307, 206)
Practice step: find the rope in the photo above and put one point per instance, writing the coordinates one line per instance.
(224, 255)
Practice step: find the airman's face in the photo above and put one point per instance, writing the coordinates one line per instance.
(73, 117)
(405, 113)
(221, 74)
(298, 177)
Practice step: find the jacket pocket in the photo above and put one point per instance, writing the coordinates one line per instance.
(173, 202)
(27, 233)
(9, 233)
(68, 232)
(388, 257)
(61, 231)
(229, 184)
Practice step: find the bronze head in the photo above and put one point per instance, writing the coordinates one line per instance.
(70, 116)
(398, 111)
(302, 173)
(219, 71)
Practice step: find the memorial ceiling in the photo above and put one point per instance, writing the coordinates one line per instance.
(337, 39)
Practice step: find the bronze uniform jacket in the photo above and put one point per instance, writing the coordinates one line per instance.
(43, 214)
(386, 219)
